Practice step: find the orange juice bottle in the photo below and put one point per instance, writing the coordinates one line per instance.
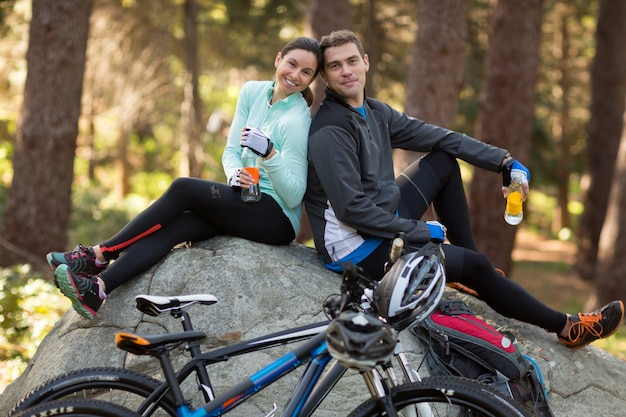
(251, 163)
(513, 213)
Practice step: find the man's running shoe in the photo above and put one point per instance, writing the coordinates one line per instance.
(588, 327)
(81, 261)
(83, 291)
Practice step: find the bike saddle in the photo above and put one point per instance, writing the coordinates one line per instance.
(154, 345)
(155, 305)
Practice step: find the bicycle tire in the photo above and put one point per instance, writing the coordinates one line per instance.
(77, 408)
(448, 396)
(121, 386)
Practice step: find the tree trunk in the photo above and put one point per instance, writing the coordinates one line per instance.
(611, 266)
(608, 89)
(122, 162)
(506, 117)
(373, 42)
(564, 142)
(436, 70)
(192, 155)
(37, 208)
(323, 17)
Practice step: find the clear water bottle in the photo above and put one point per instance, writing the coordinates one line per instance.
(513, 213)
(251, 163)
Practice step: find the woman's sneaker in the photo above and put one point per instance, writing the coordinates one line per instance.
(84, 292)
(81, 261)
(589, 327)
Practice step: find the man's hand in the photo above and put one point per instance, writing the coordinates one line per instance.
(437, 231)
(513, 167)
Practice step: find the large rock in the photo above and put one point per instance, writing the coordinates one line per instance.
(262, 289)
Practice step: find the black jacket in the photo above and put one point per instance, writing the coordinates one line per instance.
(351, 191)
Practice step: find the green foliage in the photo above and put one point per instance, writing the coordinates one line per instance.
(615, 345)
(6, 154)
(30, 307)
(5, 9)
(3, 194)
(255, 30)
(98, 214)
(568, 45)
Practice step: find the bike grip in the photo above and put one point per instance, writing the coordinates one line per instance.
(350, 270)
(396, 249)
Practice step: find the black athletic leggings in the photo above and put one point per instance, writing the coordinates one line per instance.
(436, 178)
(193, 210)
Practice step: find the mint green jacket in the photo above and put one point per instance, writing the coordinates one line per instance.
(286, 123)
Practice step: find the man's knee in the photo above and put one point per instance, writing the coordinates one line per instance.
(440, 160)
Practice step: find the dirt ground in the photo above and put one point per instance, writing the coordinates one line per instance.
(545, 268)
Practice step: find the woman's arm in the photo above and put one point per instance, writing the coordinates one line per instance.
(231, 157)
(287, 168)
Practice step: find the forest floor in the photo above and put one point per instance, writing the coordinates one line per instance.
(545, 268)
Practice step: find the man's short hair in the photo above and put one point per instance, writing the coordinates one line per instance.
(341, 37)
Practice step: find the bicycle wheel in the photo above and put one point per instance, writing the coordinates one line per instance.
(120, 386)
(446, 396)
(77, 408)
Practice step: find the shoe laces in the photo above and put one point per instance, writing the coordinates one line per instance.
(83, 249)
(587, 323)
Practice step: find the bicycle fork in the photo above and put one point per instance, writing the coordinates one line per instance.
(410, 375)
(379, 389)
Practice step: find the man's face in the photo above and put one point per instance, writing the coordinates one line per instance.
(345, 72)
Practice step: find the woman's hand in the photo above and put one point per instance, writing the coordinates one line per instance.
(245, 179)
(257, 142)
(241, 179)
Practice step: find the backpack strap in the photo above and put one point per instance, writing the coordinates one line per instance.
(540, 400)
(454, 307)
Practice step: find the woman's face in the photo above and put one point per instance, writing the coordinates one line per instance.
(295, 71)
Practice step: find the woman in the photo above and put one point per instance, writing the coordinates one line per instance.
(272, 119)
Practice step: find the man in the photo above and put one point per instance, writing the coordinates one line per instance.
(356, 206)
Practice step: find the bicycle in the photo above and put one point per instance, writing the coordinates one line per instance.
(145, 394)
(313, 386)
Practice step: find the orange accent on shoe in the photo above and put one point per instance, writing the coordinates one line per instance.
(589, 327)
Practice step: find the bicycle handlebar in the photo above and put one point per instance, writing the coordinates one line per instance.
(396, 249)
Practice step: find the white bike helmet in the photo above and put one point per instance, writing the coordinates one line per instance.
(360, 341)
(411, 289)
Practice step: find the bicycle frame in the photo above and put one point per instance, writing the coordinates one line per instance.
(313, 353)
(200, 360)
